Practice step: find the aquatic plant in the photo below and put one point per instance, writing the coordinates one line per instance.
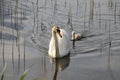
(3, 72)
(99, 15)
(34, 13)
(37, 21)
(35, 29)
(85, 14)
(115, 11)
(69, 23)
(91, 9)
(24, 74)
(18, 33)
(22, 77)
(2, 41)
(45, 3)
(77, 7)
(55, 7)
(2, 19)
(110, 3)
(11, 13)
(65, 3)
(24, 53)
(21, 11)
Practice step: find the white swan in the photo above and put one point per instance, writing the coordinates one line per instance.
(59, 44)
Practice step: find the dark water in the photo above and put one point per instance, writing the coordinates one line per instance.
(24, 44)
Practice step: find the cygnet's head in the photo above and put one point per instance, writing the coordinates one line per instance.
(73, 32)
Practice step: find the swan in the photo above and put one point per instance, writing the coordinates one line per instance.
(76, 36)
(59, 43)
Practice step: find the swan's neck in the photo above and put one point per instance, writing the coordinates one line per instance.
(56, 44)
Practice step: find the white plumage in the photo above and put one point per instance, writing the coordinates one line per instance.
(59, 44)
(76, 36)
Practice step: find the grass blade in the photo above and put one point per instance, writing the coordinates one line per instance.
(22, 77)
(3, 72)
(24, 74)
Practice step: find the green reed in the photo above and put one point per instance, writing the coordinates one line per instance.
(18, 33)
(55, 7)
(34, 13)
(105, 26)
(77, 7)
(45, 4)
(1, 18)
(41, 24)
(91, 10)
(24, 74)
(3, 72)
(8, 7)
(24, 11)
(2, 41)
(37, 30)
(21, 11)
(70, 18)
(91, 13)
(109, 36)
(115, 11)
(65, 3)
(109, 47)
(99, 15)
(11, 13)
(16, 20)
(24, 53)
(3, 52)
(110, 3)
(13, 51)
(110, 53)
(85, 15)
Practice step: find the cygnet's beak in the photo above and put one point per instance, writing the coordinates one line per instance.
(58, 31)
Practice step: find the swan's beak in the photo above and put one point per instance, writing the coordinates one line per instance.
(59, 34)
(58, 31)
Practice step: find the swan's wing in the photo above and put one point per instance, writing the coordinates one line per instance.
(64, 43)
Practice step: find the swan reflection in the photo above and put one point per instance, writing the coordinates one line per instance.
(59, 64)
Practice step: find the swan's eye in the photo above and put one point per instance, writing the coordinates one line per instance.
(58, 30)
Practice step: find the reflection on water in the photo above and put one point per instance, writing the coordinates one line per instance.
(59, 64)
(100, 18)
(109, 65)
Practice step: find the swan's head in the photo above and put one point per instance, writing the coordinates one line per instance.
(73, 33)
(56, 30)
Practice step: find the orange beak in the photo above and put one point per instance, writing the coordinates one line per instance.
(59, 34)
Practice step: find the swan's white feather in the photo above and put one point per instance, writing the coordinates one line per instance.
(63, 44)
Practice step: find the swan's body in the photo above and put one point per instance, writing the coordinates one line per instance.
(59, 43)
(76, 36)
